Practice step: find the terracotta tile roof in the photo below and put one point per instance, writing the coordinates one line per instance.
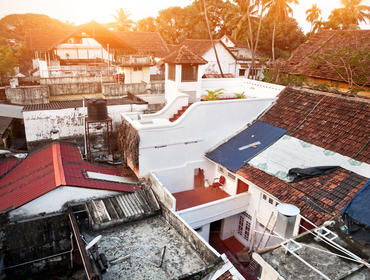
(335, 123)
(145, 42)
(319, 199)
(184, 56)
(37, 39)
(47, 169)
(172, 47)
(57, 105)
(300, 62)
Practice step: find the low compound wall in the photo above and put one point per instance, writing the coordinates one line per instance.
(74, 88)
(26, 95)
(114, 89)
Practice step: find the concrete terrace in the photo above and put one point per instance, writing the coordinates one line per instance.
(142, 242)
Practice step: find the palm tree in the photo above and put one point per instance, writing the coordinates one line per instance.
(123, 23)
(313, 15)
(352, 14)
(279, 10)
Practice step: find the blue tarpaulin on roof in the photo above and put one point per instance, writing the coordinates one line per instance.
(358, 208)
(241, 148)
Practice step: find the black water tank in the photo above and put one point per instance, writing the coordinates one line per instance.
(97, 109)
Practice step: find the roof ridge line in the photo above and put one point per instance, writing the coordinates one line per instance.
(60, 179)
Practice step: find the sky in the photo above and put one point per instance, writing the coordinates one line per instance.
(82, 11)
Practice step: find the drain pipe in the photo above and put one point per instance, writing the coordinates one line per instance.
(84, 121)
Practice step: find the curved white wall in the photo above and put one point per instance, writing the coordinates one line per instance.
(203, 125)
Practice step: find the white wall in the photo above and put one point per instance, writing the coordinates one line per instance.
(67, 122)
(181, 178)
(204, 232)
(216, 210)
(229, 226)
(135, 77)
(88, 49)
(251, 88)
(54, 200)
(202, 126)
(227, 61)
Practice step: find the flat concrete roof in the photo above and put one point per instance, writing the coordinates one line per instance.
(142, 241)
(321, 256)
(11, 111)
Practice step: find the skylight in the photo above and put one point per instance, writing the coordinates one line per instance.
(110, 178)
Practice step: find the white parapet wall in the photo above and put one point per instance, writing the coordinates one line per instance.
(164, 144)
(216, 210)
(250, 88)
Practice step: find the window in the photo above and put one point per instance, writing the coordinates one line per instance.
(264, 197)
(138, 68)
(231, 176)
(241, 72)
(271, 201)
(244, 226)
(220, 169)
(171, 72)
(189, 73)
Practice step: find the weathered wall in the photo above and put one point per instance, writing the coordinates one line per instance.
(114, 89)
(55, 200)
(204, 250)
(36, 239)
(75, 88)
(162, 194)
(58, 124)
(68, 80)
(26, 95)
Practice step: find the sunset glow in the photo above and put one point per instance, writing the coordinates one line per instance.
(83, 11)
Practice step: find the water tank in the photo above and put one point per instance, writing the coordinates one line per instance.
(97, 109)
(287, 215)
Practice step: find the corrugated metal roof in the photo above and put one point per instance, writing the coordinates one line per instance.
(45, 170)
(57, 105)
(238, 150)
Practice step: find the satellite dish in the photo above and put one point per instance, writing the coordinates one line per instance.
(93, 242)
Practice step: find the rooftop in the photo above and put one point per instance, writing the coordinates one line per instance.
(184, 56)
(320, 254)
(49, 168)
(145, 42)
(301, 63)
(57, 105)
(319, 199)
(201, 46)
(335, 123)
(142, 243)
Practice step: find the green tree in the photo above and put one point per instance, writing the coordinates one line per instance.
(279, 10)
(313, 17)
(349, 16)
(8, 60)
(123, 23)
(148, 24)
(288, 36)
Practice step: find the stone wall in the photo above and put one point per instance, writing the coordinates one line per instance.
(74, 88)
(74, 80)
(114, 89)
(26, 95)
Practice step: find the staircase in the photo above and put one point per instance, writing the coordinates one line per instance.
(179, 113)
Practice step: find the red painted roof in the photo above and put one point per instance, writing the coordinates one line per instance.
(45, 170)
(7, 165)
(199, 196)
